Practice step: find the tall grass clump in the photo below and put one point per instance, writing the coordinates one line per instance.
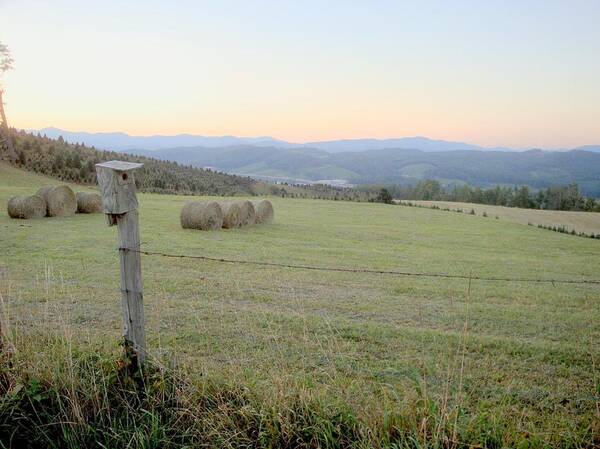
(55, 394)
(60, 391)
(78, 398)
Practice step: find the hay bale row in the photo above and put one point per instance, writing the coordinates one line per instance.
(232, 214)
(207, 216)
(54, 201)
(60, 201)
(32, 206)
(264, 211)
(248, 212)
(88, 203)
(211, 215)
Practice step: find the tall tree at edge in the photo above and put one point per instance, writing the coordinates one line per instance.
(6, 64)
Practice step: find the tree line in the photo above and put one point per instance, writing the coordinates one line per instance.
(566, 197)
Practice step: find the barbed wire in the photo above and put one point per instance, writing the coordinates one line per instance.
(60, 282)
(366, 270)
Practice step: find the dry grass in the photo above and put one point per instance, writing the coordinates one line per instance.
(586, 222)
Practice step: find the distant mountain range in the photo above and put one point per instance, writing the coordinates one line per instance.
(121, 141)
(118, 141)
(592, 148)
(362, 161)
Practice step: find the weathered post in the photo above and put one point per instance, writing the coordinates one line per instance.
(120, 205)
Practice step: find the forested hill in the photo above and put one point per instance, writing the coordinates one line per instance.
(75, 163)
(535, 168)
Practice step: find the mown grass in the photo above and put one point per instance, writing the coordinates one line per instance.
(411, 362)
(585, 222)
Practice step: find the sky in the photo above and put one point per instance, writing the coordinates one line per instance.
(521, 74)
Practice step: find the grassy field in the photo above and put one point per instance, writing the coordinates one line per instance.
(495, 364)
(588, 223)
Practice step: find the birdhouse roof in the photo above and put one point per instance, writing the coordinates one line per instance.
(120, 165)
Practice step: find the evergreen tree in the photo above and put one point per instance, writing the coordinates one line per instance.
(384, 196)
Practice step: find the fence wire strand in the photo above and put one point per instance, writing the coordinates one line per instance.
(365, 270)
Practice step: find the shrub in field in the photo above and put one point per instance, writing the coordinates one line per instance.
(384, 196)
(563, 229)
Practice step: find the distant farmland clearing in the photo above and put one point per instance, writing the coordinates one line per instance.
(587, 222)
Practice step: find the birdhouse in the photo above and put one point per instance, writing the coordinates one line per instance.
(117, 186)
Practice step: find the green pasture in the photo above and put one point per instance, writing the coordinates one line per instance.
(516, 358)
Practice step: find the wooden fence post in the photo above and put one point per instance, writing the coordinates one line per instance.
(120, 205)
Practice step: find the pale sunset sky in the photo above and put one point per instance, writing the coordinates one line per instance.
(495, 73)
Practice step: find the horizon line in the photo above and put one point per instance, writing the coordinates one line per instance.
(308, 142)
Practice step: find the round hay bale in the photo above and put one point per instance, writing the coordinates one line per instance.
(60, 200)
(43, 192)
(264, 211)
(88, 203)
(26, 207)
(207, 216)
(232, 214)
(247, 211)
